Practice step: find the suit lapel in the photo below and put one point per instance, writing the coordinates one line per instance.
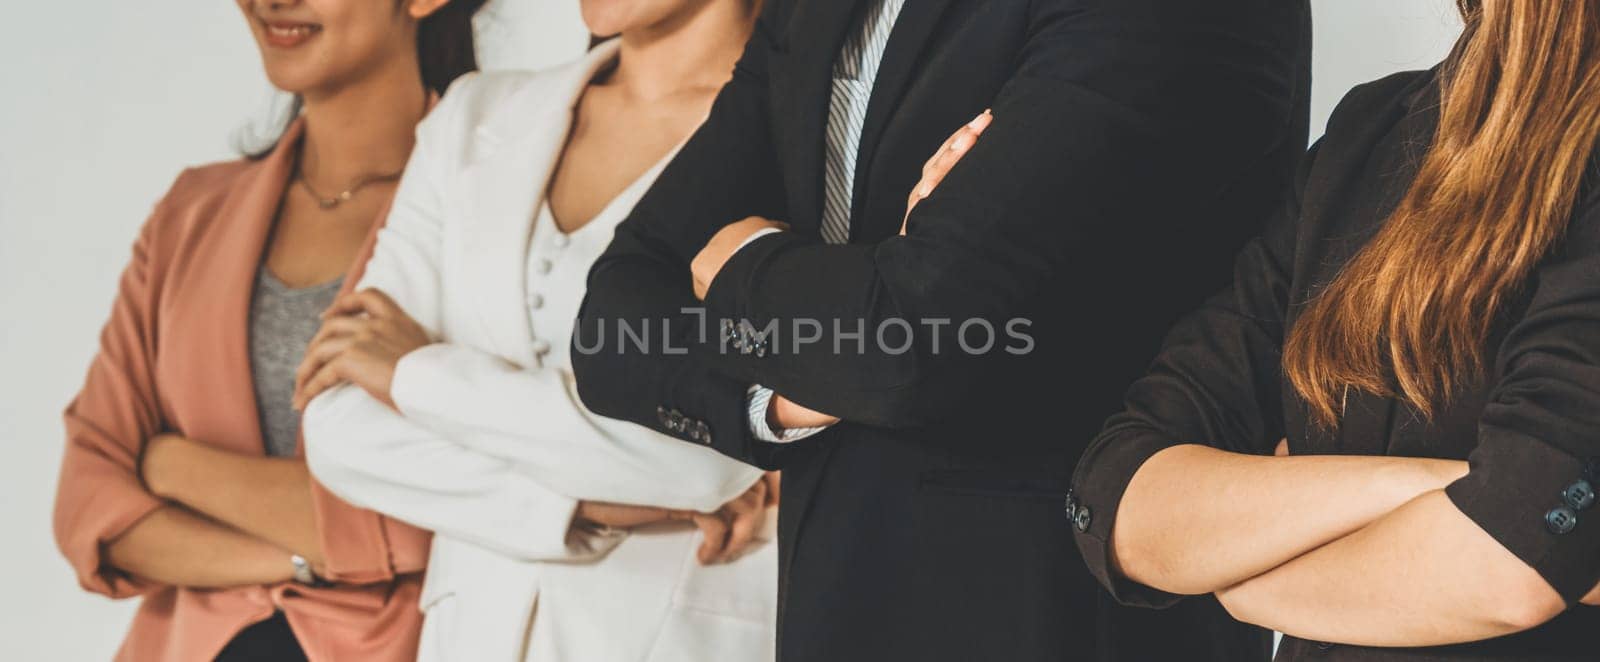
(801, 83)
(246, 219)
(501, 191)
(912, 30)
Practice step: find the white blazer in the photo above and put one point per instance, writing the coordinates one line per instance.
(493, 449)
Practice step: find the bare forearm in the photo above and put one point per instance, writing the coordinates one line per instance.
(1424, 575)
(176, 547)
(269, 498)
(1195, 519)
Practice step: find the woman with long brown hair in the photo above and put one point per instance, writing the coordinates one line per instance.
(1421, 324)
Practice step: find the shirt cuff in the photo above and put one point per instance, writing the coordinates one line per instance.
(760, 397)
(754, 236)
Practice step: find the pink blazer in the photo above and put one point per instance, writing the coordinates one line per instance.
(174, 357)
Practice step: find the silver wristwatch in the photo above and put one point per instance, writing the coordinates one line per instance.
(302, 571)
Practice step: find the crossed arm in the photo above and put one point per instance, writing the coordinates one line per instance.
(1377, 551)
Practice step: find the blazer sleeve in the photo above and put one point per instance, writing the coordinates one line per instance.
(726, 171)
(1533, 472)
(99, 494)
(533, 419)
(373, 457)
(359, 545)
(1216, 381)
(1115, 108)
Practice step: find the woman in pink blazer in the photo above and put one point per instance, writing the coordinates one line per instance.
(182, 480)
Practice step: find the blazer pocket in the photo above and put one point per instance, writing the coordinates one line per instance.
(438, 581)
(984, 483)
(745, 590)
(688, 635)
(438, 642)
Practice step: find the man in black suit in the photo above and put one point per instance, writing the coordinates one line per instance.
(926, 395)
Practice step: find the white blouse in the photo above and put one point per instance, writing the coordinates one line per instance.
(558, 267)
(491, 447)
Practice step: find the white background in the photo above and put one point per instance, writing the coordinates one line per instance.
(104, 103)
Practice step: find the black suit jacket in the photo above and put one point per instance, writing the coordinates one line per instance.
(1136, 144)
(1530, 426)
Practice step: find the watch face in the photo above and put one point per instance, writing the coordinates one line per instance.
(302, 570)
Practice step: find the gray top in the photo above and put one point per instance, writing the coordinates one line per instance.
(282, 321)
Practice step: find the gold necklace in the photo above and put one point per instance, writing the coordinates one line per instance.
(329, 203)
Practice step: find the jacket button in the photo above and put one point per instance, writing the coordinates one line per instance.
(1560, 520)
(1579, 495)
(1082, 519)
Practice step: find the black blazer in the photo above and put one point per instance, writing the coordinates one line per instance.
(1136, 144)
(1530, 429)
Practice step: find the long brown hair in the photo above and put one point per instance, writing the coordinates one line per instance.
(1410, 316)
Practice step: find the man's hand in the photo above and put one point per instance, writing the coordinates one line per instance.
(784, 414)
(363, 336)
(722, 246)
(944, 160)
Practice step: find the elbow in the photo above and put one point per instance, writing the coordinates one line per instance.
(1144, 562)
(1524, 604)
(592, 375)
(333, 456)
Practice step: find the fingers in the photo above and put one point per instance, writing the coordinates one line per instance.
(714, 529)
(371, 301)
(320, 353)
(942, 161)
(749, 514)
(958, 145)
(325, 378)
(774, 480)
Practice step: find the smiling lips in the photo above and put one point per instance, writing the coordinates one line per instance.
(284, 34)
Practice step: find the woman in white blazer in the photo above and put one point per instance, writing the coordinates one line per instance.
(441, 392)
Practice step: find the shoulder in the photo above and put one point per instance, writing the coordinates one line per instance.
(1395, 94)
(482, 96)
(1365, 117)
(505, 102)
(196, 194)
(475, 96)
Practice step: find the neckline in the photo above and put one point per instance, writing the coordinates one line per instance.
(272, 281)
(628, 192)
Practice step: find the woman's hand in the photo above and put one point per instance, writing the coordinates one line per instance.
(364, 334)
(733, 528)
(774, 481)
(944, 160)
(727, 533)
(619, 516)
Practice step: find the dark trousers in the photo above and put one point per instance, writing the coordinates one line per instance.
(270, 640)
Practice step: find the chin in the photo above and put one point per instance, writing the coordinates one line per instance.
(295, 79)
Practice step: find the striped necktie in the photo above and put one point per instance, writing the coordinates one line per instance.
(853, 76)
